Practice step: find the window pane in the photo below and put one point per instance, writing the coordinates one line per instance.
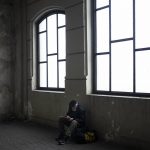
(42, 46)
(52, 34)
(122, 19)
(103, 30)
(143, 71)
(62, 74)
(62, 43)
(103, 72)
(61, 20)
(42, 26)
(52, 71)
(142, 23)
(122, 66)
(43, 75)
(101, 3)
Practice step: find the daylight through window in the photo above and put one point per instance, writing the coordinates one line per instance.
(51, 45)
(122, 47)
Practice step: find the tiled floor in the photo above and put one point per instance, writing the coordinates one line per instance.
(30, 136)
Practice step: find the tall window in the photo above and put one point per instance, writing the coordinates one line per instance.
(122, 47)
(51, 45)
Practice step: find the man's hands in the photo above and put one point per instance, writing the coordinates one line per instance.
(69, 118)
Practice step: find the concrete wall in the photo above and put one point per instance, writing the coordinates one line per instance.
(7, 54)
(121, 119)
(19, 21)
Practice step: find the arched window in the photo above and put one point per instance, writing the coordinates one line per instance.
(122, 47)
(51, 51)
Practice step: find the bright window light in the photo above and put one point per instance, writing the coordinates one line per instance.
(62, 43)
(122, 47)
(121, 19)
(142, 23)
(143, 71)
(42, 26)
(52, 34)
(51, 51)
(103, 72)
(62, 74)
(102, 30)
(61, 20)
(101, 3)
(122, 66)
(43, 75)
(52, 71)
(42, 43)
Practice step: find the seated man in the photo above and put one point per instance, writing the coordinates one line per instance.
(74, 118)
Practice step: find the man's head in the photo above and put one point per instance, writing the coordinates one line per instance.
(73, 105)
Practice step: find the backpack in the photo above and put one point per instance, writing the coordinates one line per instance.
(90, 136)
(82, 136)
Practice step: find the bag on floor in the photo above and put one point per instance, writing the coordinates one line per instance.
(85, 136)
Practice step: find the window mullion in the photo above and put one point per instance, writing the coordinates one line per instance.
(57, 54)
(47, 51)
(134, 82)
(110, 45)
(94, 11)
(38, 64)
(102, 7)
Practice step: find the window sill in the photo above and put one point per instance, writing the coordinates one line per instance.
(119, 96)
(46, 91)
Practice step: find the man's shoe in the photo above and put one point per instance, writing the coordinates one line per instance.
(61, 142)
